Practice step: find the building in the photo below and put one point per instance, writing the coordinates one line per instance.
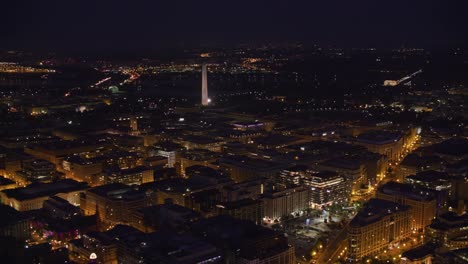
(294, 175)
(243, 190)
(32, 197)
(246, 209)
(191, 142)
(113, 202)
(201, 157)
(423, 203)
(14, 224)
(57, 207)
(242, 168)
(36, 170)
(420, 255)
(386, 143)
(169, 150)
(6, 184)
(439, 183)
(326, 188)
(167, 247)
(433, 180)
(245, 242)
(414, 163)
(378, 225)
(99, 247)
(133, 176)
(55, 152)
(207, 174)
(167, 216)
(83, 169)
(353, 170)
(279, 203)
(179, 190)
(449, 231)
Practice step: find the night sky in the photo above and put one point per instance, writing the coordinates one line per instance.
(123, 25)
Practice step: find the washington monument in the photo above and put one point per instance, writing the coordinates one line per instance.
(204, 98)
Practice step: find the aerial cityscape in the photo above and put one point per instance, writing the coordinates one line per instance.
(237, 133)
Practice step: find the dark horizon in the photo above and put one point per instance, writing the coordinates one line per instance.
(145, 27)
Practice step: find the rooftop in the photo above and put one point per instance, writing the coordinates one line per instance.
(379, 137)
(250, 163)
(117, 191)
(375, 210)
(414, 160)
(407, 190)
(419, 252)
(10, 215)
(5, 181)
(36, 190)
(238, 204)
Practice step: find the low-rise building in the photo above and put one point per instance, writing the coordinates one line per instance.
(99, 247)
(113, 202)
(6, 184)
(133, 176)
(246, 209)
(242, 168)
(167, 216)
(449, 230)
(32, 197)
(14, 224)
(37, 170)
(420, 255)
(245, 242)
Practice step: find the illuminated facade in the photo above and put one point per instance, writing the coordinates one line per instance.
(285, 202)
(32, 197)
(326, 188)
(113, 202)
(377, 226)
(422, 202)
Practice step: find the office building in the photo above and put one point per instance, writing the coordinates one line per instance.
(326, 188)
(282, 202)
(245, 242)
(132, 176)
(423, 202)
(113, 202)
(377, 225)
(33, 196)
(246, 209)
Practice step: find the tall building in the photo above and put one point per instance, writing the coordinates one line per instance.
(204, 100)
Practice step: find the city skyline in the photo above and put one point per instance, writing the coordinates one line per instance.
(234, 132)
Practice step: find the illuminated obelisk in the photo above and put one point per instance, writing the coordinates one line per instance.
(204, 88)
